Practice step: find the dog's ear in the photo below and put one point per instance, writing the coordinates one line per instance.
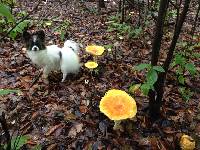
(26, 35)
(41, 34)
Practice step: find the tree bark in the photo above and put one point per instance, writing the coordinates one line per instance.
(101, 4)
(159, 31)
(123, 11)
(169, 58)
(195, 21)
(154, 107)
(156, 100)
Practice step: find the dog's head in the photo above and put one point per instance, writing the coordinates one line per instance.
(34, 41)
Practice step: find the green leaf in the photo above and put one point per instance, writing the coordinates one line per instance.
(7, 91)
(142, 66)
(133, 88)
(152, 77)
(145, 88)
(18, 142)
(181, 79)
(179, 71)
(19, 28)
(191, 68)
(196, 55)
(21, 140)
(5, 11)
(62, 35)
(185, 93)
(158, 68)
(173, 64)
(180, 60)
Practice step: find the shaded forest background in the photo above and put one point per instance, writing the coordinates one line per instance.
(151, 44)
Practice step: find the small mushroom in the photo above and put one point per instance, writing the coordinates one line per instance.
(117, 105)
(187, 142)
(95, 50)
(91, 65)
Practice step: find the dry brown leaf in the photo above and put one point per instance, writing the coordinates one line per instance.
(53, 129)
(76, 128)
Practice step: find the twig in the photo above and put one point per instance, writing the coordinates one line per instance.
(174, 5)
(5, 129)
(21, 21)
(36, 79)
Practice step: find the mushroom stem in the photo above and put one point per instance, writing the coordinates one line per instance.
(117, 125)
(95, 58)
(91, 71)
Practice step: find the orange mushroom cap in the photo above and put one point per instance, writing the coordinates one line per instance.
(187, 143)
(91, 64)
(95, 50)
(118, 105)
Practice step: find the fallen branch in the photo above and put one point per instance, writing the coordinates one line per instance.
(36, 79)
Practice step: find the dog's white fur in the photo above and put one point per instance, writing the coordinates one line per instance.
(50, 59)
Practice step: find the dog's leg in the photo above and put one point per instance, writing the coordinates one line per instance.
(45, 75)
(46, 72)
(64, 77)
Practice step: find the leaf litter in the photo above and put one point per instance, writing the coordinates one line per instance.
(66, 115)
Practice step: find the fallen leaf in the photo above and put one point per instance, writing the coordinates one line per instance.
(53, 129)
(75, 129)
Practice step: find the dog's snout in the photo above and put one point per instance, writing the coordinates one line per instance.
(35, 48)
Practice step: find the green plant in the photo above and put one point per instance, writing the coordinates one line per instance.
(8, 24)
(19, 28)
(151, 77)
(62, 28)
(182, 64)
(10, 3)
(123, 29)
(17, 142)
(185, 93)
(8, 91)
(5, 12)
(171, 14)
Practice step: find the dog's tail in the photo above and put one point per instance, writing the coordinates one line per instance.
(73, 45)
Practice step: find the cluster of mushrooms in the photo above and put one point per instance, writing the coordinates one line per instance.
(118, 105)
(95, 51)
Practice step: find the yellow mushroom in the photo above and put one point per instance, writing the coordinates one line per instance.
(95, 50)
(117, 105)
(187, 143)
(91, 65)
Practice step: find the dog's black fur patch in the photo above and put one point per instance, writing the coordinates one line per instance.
(60, 54)
(39, 40)
(72, 48)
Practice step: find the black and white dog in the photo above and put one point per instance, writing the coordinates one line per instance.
(52, 58)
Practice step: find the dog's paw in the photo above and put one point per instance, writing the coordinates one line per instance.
(45, 76)
(46, 81)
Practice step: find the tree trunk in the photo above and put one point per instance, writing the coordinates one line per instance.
(120, 6)
(123, 11)
(154, 108)
(195, 21)
(101, 4)
(159, 90)
(159, 31)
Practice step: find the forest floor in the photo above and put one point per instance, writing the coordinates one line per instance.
(66, 115)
